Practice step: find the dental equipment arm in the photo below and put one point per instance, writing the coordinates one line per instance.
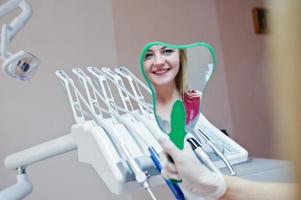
(124, 70)
(75, 104)
(83, 78)
(21, 189)
(24, 158)
(21, 65)
(40, 152)
(140, 176)
(114, 78)
(146, 117)
(134, 83)
(104, 88)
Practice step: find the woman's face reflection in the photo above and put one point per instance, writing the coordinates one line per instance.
(161, 65)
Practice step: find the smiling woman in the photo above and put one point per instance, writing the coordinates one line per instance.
(177, 73)
(166, 71)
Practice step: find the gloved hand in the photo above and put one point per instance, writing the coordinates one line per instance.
(195, 177)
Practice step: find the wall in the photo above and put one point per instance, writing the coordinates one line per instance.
(63, 34)
(245, 70)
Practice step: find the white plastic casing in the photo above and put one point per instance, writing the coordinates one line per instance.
(96, 148)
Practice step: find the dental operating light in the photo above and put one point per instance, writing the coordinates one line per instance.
(21, 65)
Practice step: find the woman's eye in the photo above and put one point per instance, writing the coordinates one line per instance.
(148, 56)
(168, 51)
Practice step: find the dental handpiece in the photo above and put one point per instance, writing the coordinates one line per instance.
(196, 147)
(218, 153)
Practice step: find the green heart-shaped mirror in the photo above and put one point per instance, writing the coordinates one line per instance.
(177, 76)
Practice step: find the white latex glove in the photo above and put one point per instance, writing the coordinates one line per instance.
(195, 177)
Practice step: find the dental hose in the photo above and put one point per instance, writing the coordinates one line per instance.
(151, 193)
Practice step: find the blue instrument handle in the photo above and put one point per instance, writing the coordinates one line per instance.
(174, 187)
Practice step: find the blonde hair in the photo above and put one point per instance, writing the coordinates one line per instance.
(181, 77)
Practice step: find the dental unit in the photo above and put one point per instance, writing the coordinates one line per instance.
(119, 142)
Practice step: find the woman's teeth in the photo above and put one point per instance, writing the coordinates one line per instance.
(161, 71)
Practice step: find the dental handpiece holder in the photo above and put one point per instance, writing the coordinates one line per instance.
(96, 148)
(113, 145)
